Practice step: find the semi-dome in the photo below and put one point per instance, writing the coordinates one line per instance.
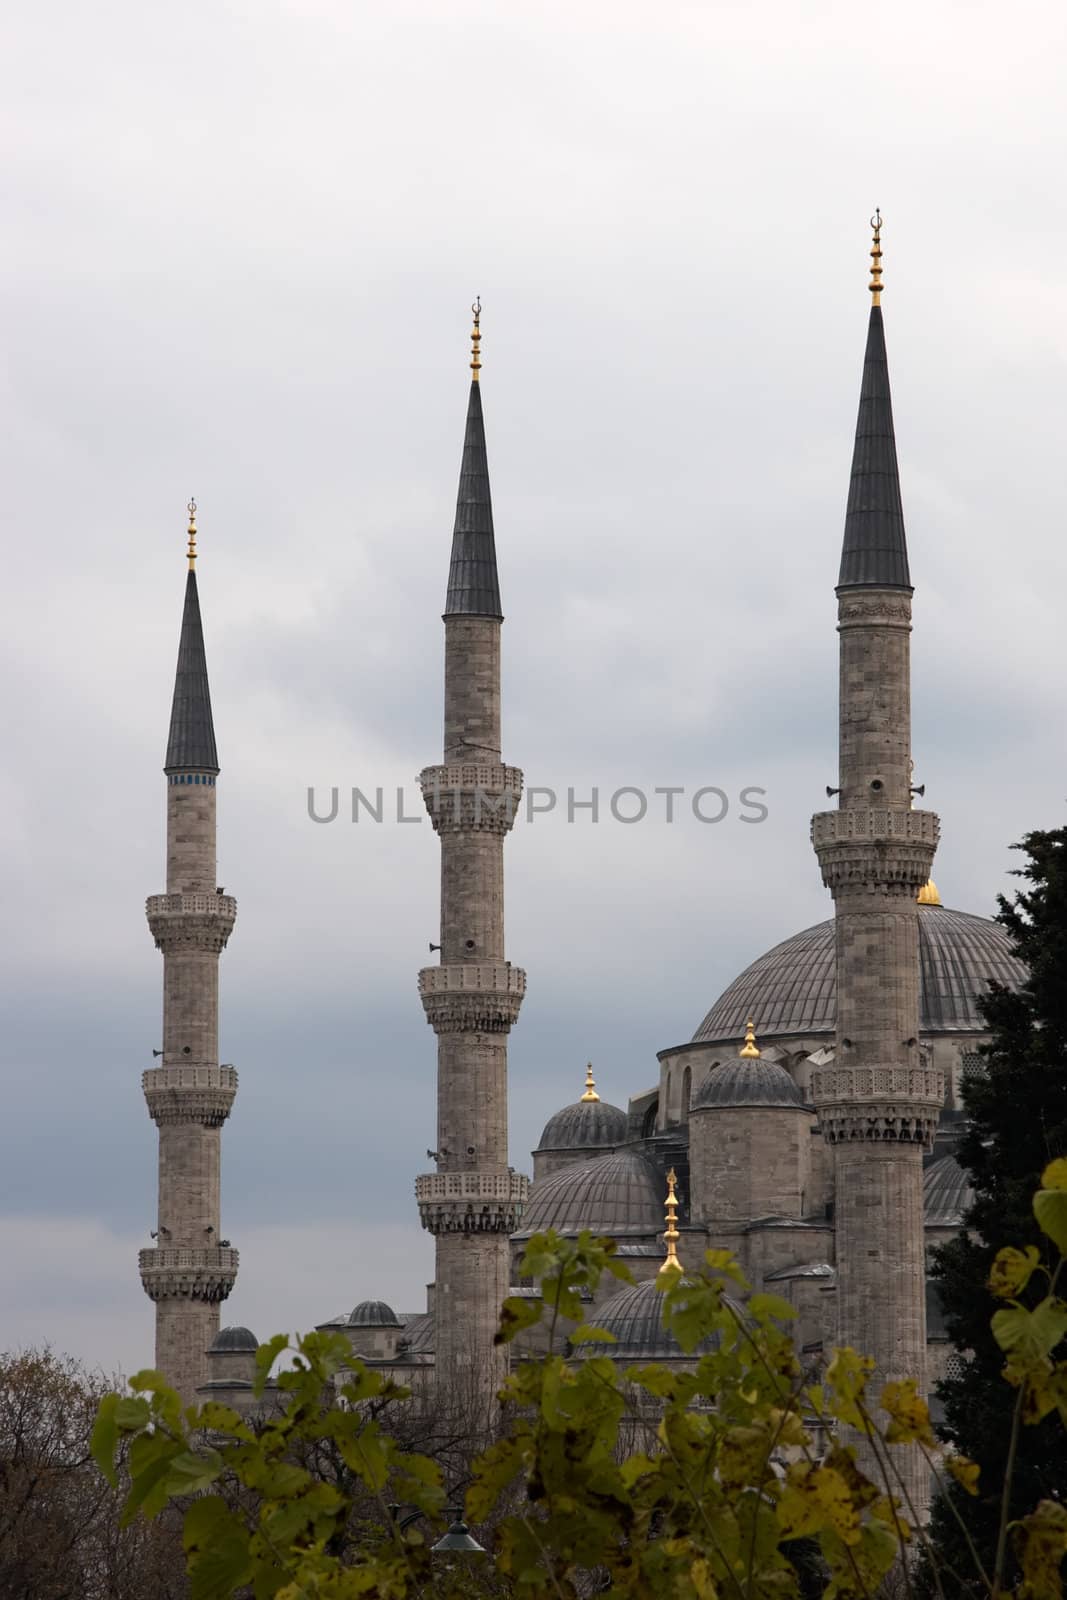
(792, 989)
(235, 1338)
(374, 1314)
(589, 1124)
(616, 1195)
(748, 1083)
(947, 1193)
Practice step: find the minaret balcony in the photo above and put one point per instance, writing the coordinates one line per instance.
(189, 1094)
(878, 1103)
(465, 797)
(471, 1202)
(479, 997)
(191, 921)
(889, 848)
(174, 1273)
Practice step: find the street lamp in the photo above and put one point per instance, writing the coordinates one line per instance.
(456, 1540)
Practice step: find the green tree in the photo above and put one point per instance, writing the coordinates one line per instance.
(1017, 1112)
(710, 1481)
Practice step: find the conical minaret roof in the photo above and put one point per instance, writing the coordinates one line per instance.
(191, 741)
(875, 551)
(473, 586)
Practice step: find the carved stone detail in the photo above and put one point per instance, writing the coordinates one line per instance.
(476, 998)
(173, 1273)
(879, 1102)
(471, 1202)
(183, 1093)
(890, 848)
(191, 921)
(466, 798)
(874, 612)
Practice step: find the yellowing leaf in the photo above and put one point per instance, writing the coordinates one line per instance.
(1011, 1271)
(964, 1471)
(846, 1377)
(910, 1416)
(1055, 1174)
(1041, 1543)
(814, 1499)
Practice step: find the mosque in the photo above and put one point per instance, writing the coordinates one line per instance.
(808, 1124)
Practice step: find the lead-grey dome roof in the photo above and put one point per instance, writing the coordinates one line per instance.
(635, 1318)
(586, 1125)
(373, 1314)
(947, 1193)
(748, 1083)
(791, 990)
(616, 1195)
(235, 1338)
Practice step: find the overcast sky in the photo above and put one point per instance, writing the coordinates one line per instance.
(242, 241)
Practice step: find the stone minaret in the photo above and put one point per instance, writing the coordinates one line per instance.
(879, 1101)
(189, 1095)
(474, 1200)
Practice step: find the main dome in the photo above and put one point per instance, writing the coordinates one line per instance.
(792, 990)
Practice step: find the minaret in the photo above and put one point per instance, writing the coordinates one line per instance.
(189, 1095)
(879, 1101)
(474, 1200)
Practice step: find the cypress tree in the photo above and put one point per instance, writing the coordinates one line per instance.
(1017, 1123)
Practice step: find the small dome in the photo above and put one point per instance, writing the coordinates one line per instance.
(234, 1339)
(614, 1195)
(757, 1082)
(635, 1318)
(374, 1314)
(586, 1125)
(947, 1193)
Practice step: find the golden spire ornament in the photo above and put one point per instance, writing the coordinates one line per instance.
(671, 1236)
(749, 1051)
(191, 552)
(876, 259)
(476, 339)
(590, 1084)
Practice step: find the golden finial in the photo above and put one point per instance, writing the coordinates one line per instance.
(476, 339)
(671, 1236)
(928, 895)
(590, 1085)
(749, 1051)
(876, 259)
(192, 536)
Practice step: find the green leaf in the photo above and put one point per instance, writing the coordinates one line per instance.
(132, 1414)
(770, 1305)
(1050, 1209)
(516, 1315)
(588, 1334)
(105, 1438)
(266, 1356)
(1029, 1337)
(188, 1473)
(1055, 1174)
